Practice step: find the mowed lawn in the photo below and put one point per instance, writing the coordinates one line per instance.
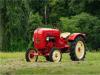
(14, 63)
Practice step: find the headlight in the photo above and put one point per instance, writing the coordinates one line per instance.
(47, 39)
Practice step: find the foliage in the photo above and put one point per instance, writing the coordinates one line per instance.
(83, 23)
(19, 18)
(17, 25)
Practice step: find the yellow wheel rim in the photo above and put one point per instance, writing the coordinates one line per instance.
(80, 49)
(56, 56)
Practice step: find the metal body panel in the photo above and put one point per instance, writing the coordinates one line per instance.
(43, 46)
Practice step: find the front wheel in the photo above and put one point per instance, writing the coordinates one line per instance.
(31, 55)
(55, 55)
(77, 49)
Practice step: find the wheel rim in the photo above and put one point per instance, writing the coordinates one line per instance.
(31, 56)
(56, 56)
(80, 49)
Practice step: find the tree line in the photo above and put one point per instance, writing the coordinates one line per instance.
(19, 18)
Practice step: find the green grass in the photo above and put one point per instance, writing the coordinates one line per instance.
(14, 64)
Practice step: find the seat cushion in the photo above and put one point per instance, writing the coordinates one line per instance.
(65, 35)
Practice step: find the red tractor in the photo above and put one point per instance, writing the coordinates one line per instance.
(50, 43)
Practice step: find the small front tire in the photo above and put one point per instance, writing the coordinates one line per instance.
(55, 55)
(30, 55)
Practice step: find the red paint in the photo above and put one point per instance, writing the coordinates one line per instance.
(74, 35)
(44, 47)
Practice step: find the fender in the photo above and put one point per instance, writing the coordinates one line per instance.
(74, 35)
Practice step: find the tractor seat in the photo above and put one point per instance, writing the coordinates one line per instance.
(65, 35)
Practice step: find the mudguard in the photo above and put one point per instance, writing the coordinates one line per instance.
(75, 35)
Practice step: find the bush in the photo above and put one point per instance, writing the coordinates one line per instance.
(84, 23)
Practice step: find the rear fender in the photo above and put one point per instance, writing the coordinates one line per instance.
(75, 35)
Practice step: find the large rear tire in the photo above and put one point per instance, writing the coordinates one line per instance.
(55, 55)
(30, 55)
(77, 49)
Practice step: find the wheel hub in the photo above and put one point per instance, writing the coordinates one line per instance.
(79, 49)
(31, 55)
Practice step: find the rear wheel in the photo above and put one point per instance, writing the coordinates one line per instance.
(77, 49)
(31, 55)
(55, 55)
